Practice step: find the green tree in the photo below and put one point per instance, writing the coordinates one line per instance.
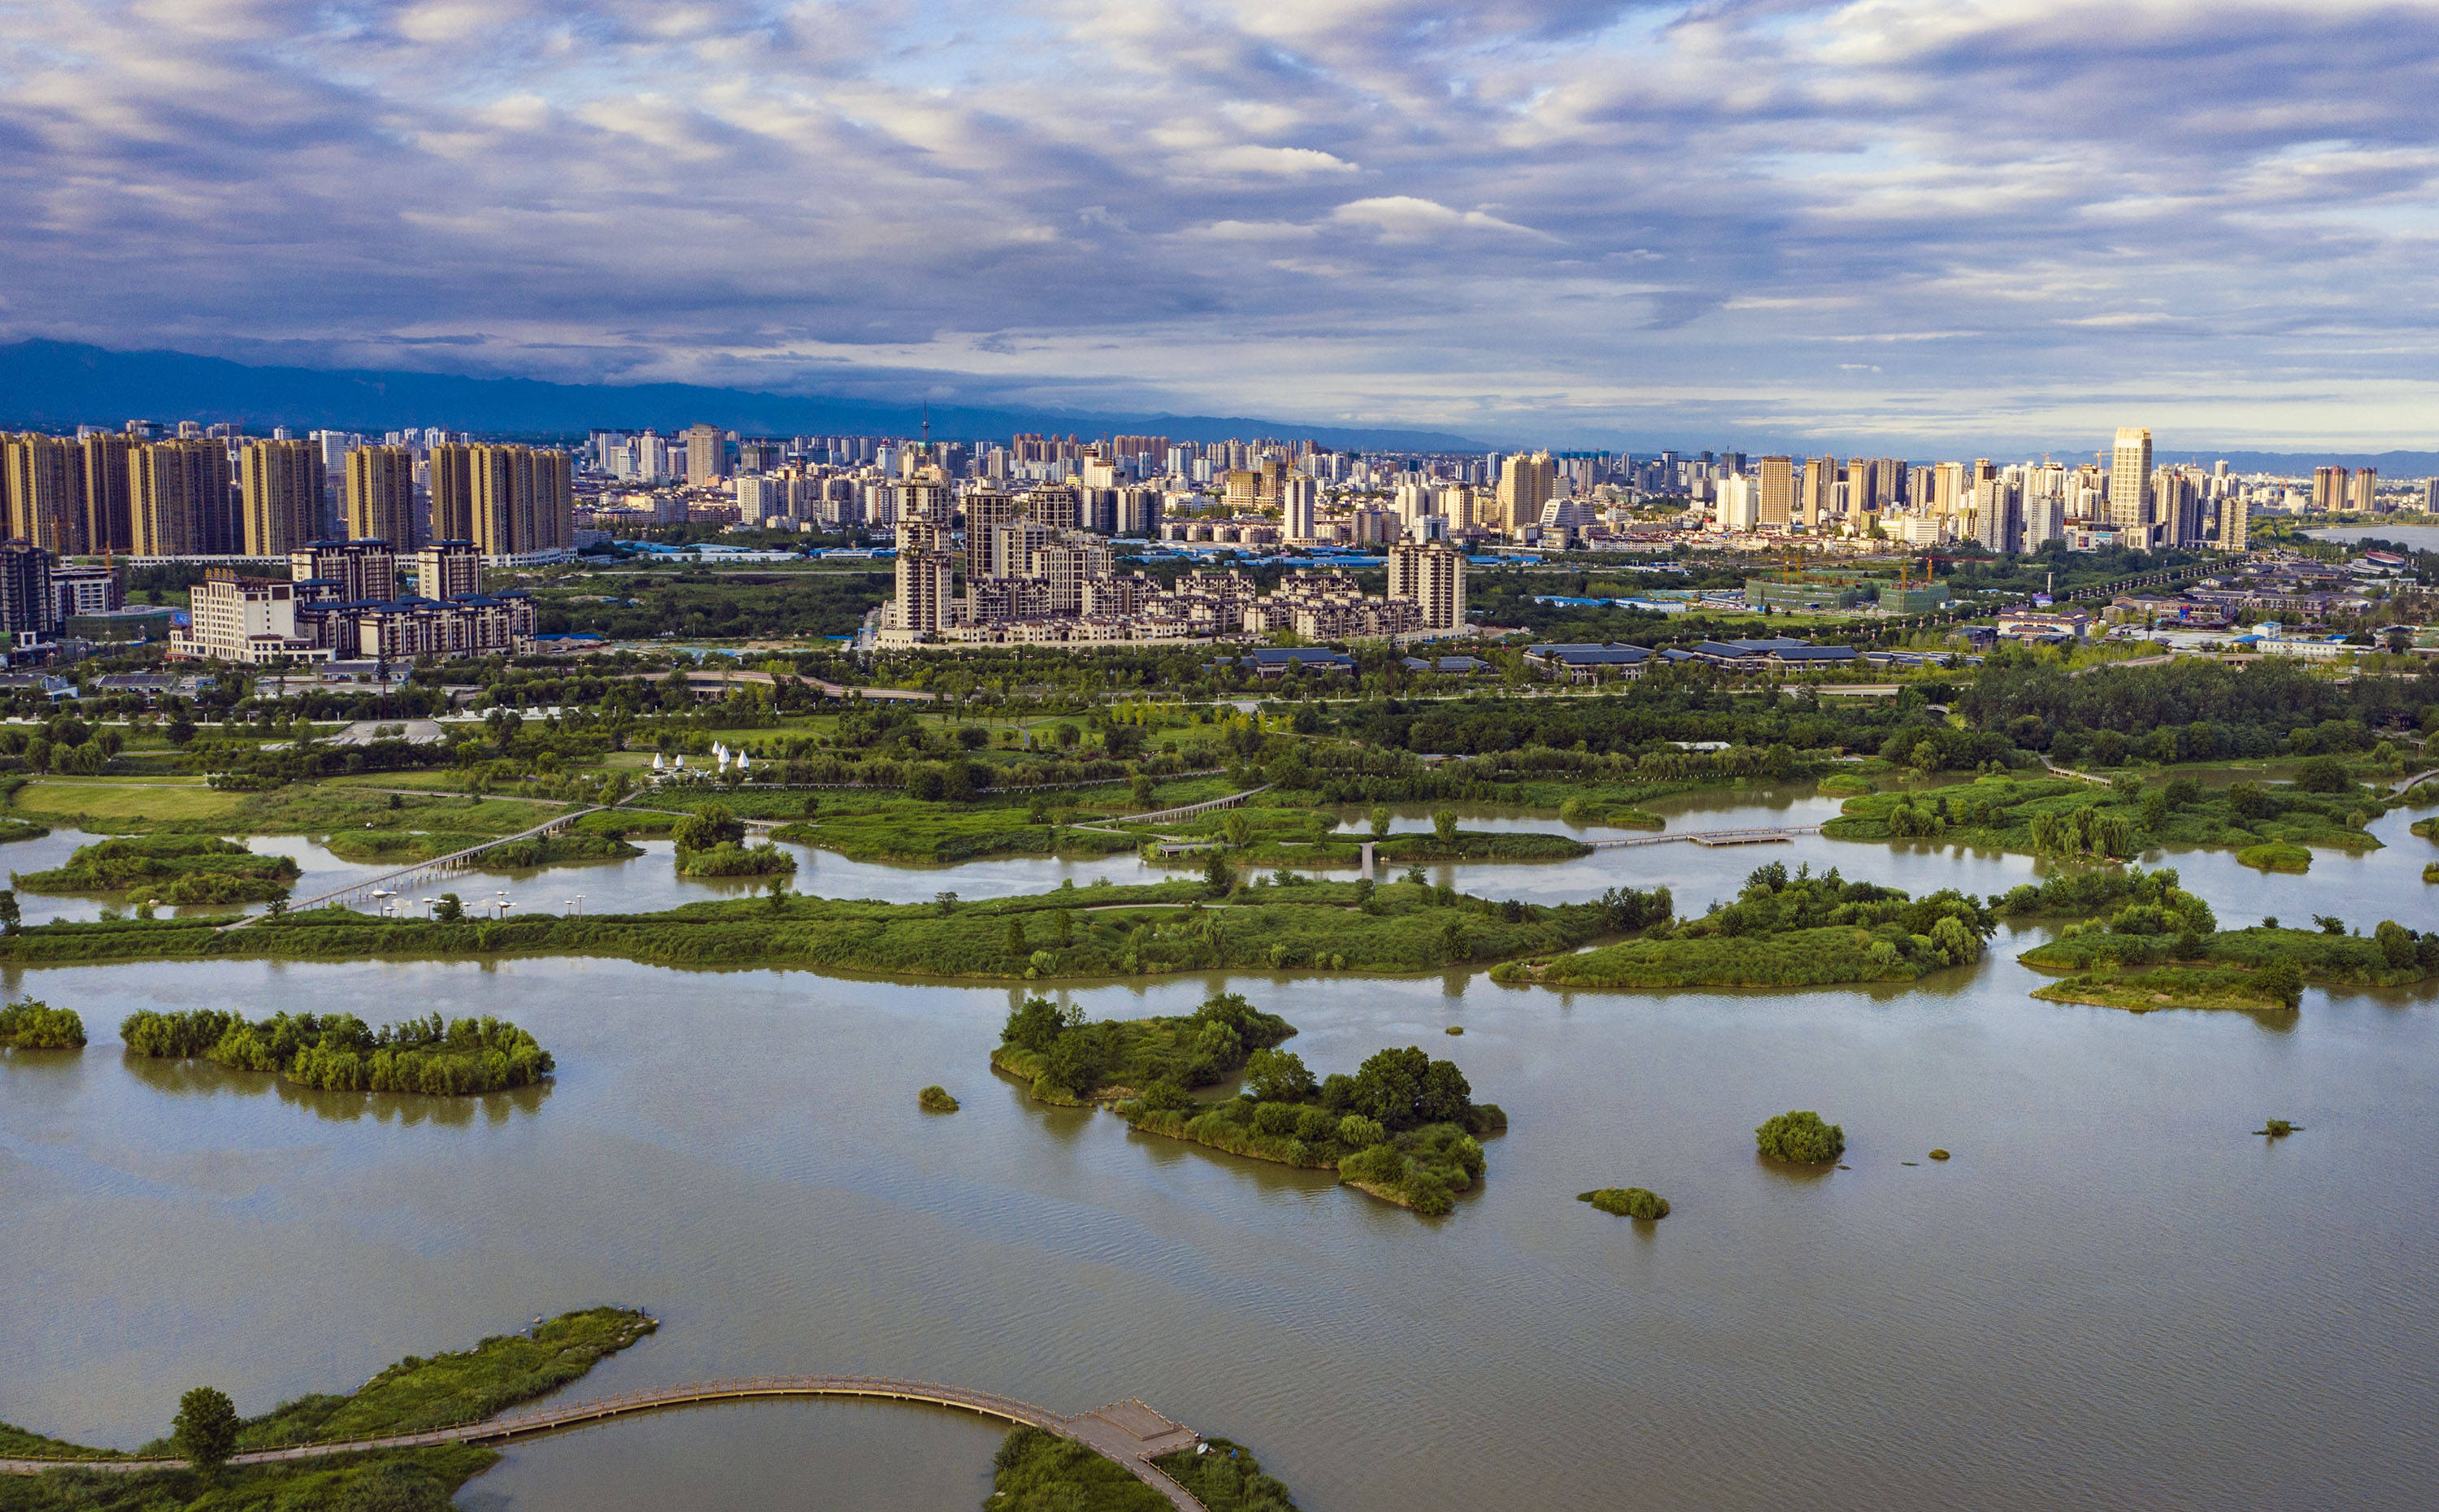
(1380, 822)
(12, 919)
(206, 1429)
(2323, 775)
(1237, 829)
(2282, 982)
(1017, 943)
(1033, 1026)
(449, 909)
(1802, 1138)
(1443, 823)
(1278, 1075)
(1217, 875)
(2396, 943)
(711, 827)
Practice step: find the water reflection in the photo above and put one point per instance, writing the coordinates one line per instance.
(205, 1078)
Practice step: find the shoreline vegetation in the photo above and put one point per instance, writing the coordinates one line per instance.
(1783, 930)
(1404, 1127)
(2062, 818)
(410, 1396)
(1145, 929)
(339, 1052)
(30, 1025)
(169, 868)
(1036, 1471)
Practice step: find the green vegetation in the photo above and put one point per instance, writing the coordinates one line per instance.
(1035, 1472)
(340, 1053)
(2277, 1127)
(1627, 1201)
(409, 1397)
(1067, 1059)
(28, 1024)
(170, 867)
(2392, 955)
(935, 1099)
(1154, 929)
(710, 843)
(558, 848)
(1783, 931)
(2056, 816)
(1402, 1128)
(2110, 889)
(1800, 1138)
(2175, 986)
(2276, 856)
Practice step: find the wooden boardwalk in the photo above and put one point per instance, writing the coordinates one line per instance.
(455, 861)
(1127, 1431)
(1712, 837)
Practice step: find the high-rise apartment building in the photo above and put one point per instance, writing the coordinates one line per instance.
(381, 495)
(1776, 475)
(1816, 500)
(179, 498)
(1525, 484)
(2129, 480)
(706, 450)
(109, 523)
(926, 570)
(1432, 576)
(510, 501)
(279, 495)
(2364, 498)
(28, 604)
(2329, 488)
(2234, 523)
(43, 477)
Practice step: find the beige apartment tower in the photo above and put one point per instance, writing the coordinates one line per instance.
(381, 495)
(510, 501)
(1777, 474)
(109, 523)
(1431, 576)
(43, 478)
(279, 495)
(2363, 497)
(178, 498)
(2129, 480)
(706, 455)
(1525, 484)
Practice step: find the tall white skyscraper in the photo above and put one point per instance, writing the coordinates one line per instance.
(2129, 480)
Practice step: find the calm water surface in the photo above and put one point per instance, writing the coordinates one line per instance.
(2112, 1296)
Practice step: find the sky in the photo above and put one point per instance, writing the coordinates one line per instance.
(1943, 225)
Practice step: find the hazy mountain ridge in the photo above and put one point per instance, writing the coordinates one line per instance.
(57, 385)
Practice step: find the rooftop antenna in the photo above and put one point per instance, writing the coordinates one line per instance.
(927, 427)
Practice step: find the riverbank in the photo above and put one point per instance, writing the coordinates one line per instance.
(413, 1395)
(1095, 932)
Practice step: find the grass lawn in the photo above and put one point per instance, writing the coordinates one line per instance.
(163, 800)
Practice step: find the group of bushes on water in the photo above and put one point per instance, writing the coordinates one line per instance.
(339, 1052)
(2061, 817)
(1627, 1201)
(30, 1025)
(412, 1396)
(1801, 1137)
(711, 843)
(170, 867)
(2146, 942)
(1069, 1059)
(1036, 1472)
(1784, 930)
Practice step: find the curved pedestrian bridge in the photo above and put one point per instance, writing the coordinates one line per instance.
(1127, 1431)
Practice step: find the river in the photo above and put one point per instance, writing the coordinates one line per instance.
(2112, 1296)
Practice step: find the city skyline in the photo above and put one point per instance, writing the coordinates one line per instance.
(1902, 224)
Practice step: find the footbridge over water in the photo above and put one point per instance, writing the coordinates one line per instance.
(1712, 837)
(1127, 1431)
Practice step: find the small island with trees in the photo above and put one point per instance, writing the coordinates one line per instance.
(31, 1025)
(1403, 1127)
(1627, 1201)
(1800, 1138)
(169, 867)
(339, 1052)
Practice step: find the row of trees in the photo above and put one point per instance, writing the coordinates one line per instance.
(341, 1053)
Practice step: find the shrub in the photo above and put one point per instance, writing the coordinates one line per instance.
(1627, 1201)
(1800, 1138)
(2323, 775)
(1356, 1131)
(30, 1025)
(935, 1099)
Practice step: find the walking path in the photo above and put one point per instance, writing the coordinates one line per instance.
(1712, 837)
(1128, 1431)
(455, 861)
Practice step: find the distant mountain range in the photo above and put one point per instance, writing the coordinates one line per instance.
(57, 385)
(2390, 464)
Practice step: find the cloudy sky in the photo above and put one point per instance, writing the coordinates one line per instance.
(1965, 223)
